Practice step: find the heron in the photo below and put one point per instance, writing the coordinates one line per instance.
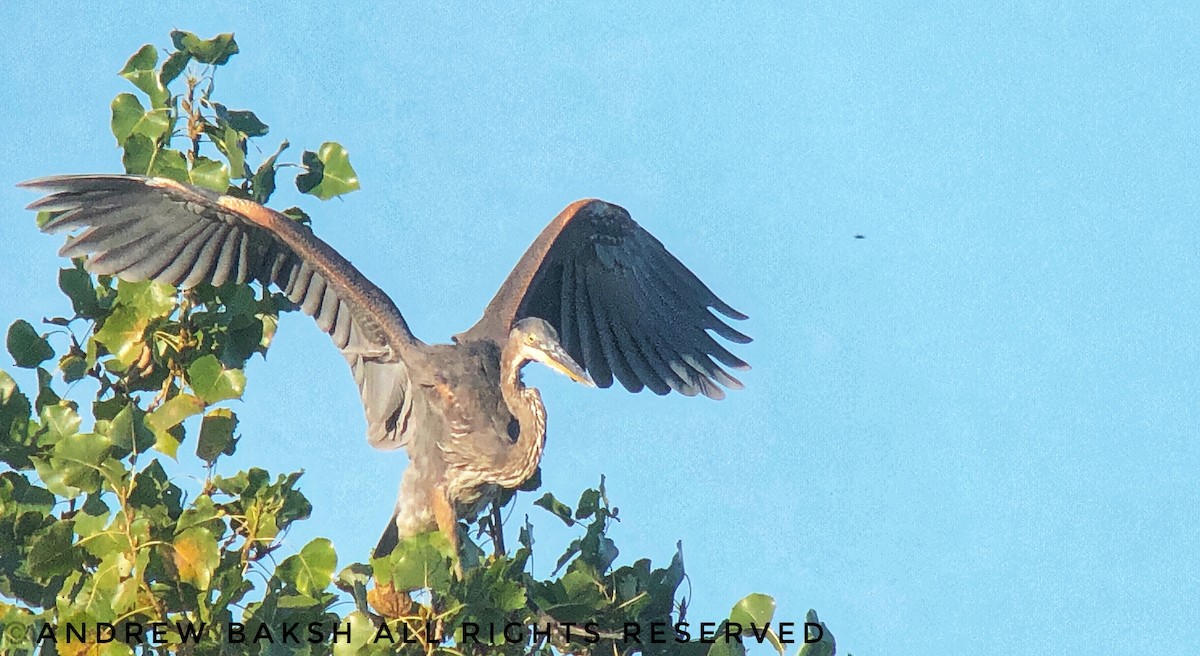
(595, 297)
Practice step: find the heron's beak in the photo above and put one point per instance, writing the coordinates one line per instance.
(555, 357)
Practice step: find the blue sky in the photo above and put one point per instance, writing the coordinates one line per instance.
(973, 430)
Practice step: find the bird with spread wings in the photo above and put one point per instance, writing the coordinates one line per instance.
(595, 297)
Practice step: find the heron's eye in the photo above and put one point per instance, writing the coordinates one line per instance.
(530, 338)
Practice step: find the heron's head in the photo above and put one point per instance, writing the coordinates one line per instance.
(535, 340)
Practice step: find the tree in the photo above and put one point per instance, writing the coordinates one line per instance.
(101, 551)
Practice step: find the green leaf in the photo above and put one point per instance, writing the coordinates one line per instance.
(754, 608)
(169, 164)
(360, 629)
(151, 299)
(129, 118)
(59, 421)
(311, 570)
(419, 561)
(173, 67)
(232, 145)
(128, 430)
(50, 553)
(18, 496)
(210, 174)
(196, 555)
(263, 183)
(242, 120)
(122, 335)
(72, 367)
(27, 347)
(139, 153)
(329, 172)
(589, 503)
(140, 71)
(72, 467)
(17, 446)
(825, 646)
(168, 416)
(216, 435)
(213, 382)
(216, 50)
(558, 508)
(298, 215)
(76, 283)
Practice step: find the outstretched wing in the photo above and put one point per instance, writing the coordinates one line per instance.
(142, 228)
(623, 306)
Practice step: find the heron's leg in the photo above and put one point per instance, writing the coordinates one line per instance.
(497, 530)
(447, 522)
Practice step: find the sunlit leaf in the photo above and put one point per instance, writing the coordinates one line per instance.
(213, 382)
(756, 608)
(196, 555)
(168, 416)
(232, 145)
(329, 172)
(311, 570)
(151, 299)
(417, 562)
(122, 335)
(210, 174)
(140, 71)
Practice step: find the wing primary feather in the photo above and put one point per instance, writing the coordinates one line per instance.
(714, 348)
(313, 296)
(569, 330)
(593, 357)
(675, 270)
(184, 261)
(636, 358)
(118, 259)
(616, 361)
(298, 289)
(225, 260)
(242, 274)
(97, 238)
(160, 259)
(207, 256)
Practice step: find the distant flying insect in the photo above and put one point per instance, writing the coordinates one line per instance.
(595, 293)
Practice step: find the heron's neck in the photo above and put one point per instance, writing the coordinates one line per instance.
(525, 403)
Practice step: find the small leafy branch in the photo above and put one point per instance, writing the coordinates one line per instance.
(97, 536)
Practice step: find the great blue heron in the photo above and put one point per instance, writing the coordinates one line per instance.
(595, 292)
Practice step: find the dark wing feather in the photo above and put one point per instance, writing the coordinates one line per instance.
(623, 306)
(148, 228)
